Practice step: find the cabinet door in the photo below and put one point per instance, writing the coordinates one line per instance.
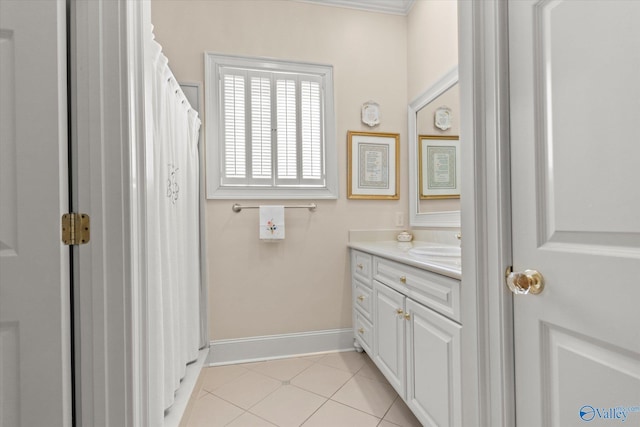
(433, 367)
(388, 342)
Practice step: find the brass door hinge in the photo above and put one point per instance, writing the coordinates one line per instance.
(76, 228)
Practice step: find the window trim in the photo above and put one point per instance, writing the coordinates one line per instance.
(214, 150)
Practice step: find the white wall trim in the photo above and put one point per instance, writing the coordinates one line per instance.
(253, 349)
(138, 20)
(103, 188)
(486, 208)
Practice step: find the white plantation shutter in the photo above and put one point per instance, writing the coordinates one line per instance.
(271, 119)
(311, 123)
(251, 150)
(234, 126)
(287, 129)
(261, 127)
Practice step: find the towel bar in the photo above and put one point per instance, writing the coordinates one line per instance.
(311, 206)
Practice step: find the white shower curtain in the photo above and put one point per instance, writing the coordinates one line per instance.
(172, 179)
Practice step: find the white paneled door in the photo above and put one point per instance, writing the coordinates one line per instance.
(575, 141)
(34, 265)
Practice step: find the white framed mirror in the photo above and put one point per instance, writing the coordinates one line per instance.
(418, 215)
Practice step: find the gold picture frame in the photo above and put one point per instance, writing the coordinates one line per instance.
(439, 167)
(373, 165)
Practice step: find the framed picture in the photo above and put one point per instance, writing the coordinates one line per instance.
(439, 167)
(373, 165)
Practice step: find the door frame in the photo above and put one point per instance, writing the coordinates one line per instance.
(108, 150)
(112, 387)
(486, 205)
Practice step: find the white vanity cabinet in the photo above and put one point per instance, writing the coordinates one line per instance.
(415, 337)
(362, 294)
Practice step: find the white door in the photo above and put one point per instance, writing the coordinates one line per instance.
(575, 141)
(34, 265)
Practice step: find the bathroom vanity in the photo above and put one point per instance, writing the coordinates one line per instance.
(406, 316)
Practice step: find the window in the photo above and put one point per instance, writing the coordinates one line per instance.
(270, 129)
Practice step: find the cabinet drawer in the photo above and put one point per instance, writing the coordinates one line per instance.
(438, 292)
(361, 266)
(364, 332)
(362, 295)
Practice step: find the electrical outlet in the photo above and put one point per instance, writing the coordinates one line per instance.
(399, 219)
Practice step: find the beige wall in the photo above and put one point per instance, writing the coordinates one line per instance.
(432, 50)
(300, 284)
(432, 43)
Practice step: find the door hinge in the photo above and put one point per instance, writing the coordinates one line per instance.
(76, 228)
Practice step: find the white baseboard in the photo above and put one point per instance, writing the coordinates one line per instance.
(251, 349)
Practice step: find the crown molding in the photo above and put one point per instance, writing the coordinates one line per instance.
(395, 7)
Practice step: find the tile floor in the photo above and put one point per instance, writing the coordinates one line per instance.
(325, 390)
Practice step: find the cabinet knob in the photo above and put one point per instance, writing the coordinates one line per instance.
(403, 279)
(361, 297)
(399, 311)
(361, 330)
(407, 316)
(360, 266)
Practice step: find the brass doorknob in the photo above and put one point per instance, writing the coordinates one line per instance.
(526, 282)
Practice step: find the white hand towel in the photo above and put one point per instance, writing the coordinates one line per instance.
(271, 222)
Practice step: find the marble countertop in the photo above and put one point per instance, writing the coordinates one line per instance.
(399, 251)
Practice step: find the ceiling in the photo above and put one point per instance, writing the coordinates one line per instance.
(396, 7)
